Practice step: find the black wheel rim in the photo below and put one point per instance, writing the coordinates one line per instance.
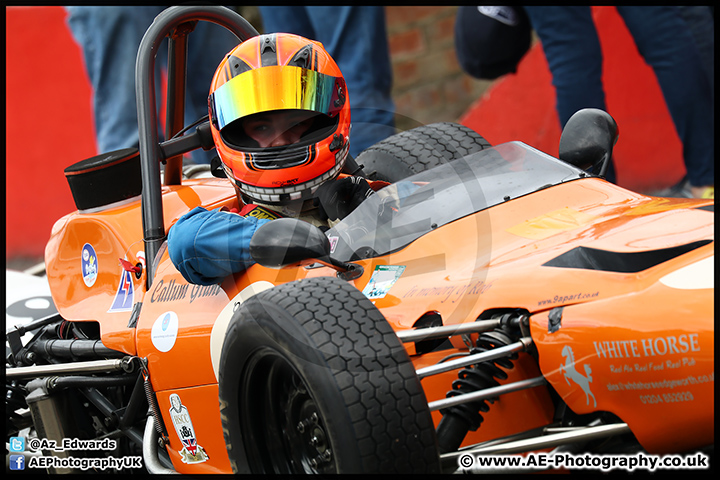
(283, 430)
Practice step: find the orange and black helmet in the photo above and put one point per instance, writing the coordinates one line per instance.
(280, 72)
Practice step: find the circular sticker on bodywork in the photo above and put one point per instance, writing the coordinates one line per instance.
(89, 265)
(164, 331)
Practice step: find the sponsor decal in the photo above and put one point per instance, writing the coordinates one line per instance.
(191, 452)
(569, 297)
(164, 331)
(661, 369)
(89, 265)
(260, 213)
(333, 243)
(648, 347)
(124, 296)
(583, 381)
(292, 181)
(382, 280)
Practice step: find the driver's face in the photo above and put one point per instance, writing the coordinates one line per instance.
(274, 129)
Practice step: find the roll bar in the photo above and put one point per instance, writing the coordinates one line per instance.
(176, 23)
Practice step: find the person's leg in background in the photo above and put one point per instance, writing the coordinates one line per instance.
(356, 37)
(572, 49)
(207, 45)
(287, 19)
(667, 45)
(700, 21)
(109, 38)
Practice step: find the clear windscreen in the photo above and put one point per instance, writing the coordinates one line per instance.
(404, 211)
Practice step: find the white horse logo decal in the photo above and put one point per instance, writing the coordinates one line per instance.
(571, 374)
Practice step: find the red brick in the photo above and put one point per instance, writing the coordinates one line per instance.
(403, 102)
(429, 85)
(454, 89)
(428, 97)
(400, 16)
(418, 103)
(442, 31)
(405, 73)
(416, 106)
(405, 43)
(436, 65)
(451, 63)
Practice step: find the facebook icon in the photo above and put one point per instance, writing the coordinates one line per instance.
(17, 462)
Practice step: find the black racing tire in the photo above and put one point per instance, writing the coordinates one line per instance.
(422, 148)
(316, 359)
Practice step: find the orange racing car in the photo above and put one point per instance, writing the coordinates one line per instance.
(509, 302)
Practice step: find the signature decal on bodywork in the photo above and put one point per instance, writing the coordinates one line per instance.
(451, 292)
(172, 291)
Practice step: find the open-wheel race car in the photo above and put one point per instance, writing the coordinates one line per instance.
(490, 300)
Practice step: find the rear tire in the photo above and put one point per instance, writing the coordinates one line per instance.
(419, 149)
(311, 367)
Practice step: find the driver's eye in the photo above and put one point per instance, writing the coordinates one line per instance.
(257, 127)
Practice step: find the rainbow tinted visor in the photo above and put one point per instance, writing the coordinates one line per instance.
(276, 88)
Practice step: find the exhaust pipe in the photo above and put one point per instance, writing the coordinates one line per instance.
(151, 458)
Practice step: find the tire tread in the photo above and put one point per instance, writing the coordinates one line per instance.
(374, 373)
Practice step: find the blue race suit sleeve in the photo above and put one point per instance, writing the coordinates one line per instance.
(207, 246)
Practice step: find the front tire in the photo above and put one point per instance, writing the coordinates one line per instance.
(314, 380)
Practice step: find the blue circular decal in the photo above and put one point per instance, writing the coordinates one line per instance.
(89, 265)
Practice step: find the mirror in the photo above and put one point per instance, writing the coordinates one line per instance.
(287, 241)
(587, 140)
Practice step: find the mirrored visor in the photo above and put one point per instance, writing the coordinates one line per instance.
(276, 88)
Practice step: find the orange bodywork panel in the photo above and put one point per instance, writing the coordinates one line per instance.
(190, 409)
(89, 289)
(626, 357)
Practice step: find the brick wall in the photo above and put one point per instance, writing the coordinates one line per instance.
(428, 84)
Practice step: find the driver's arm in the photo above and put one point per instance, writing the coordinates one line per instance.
(207, 246)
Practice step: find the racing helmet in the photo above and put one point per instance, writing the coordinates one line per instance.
(282, 73)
